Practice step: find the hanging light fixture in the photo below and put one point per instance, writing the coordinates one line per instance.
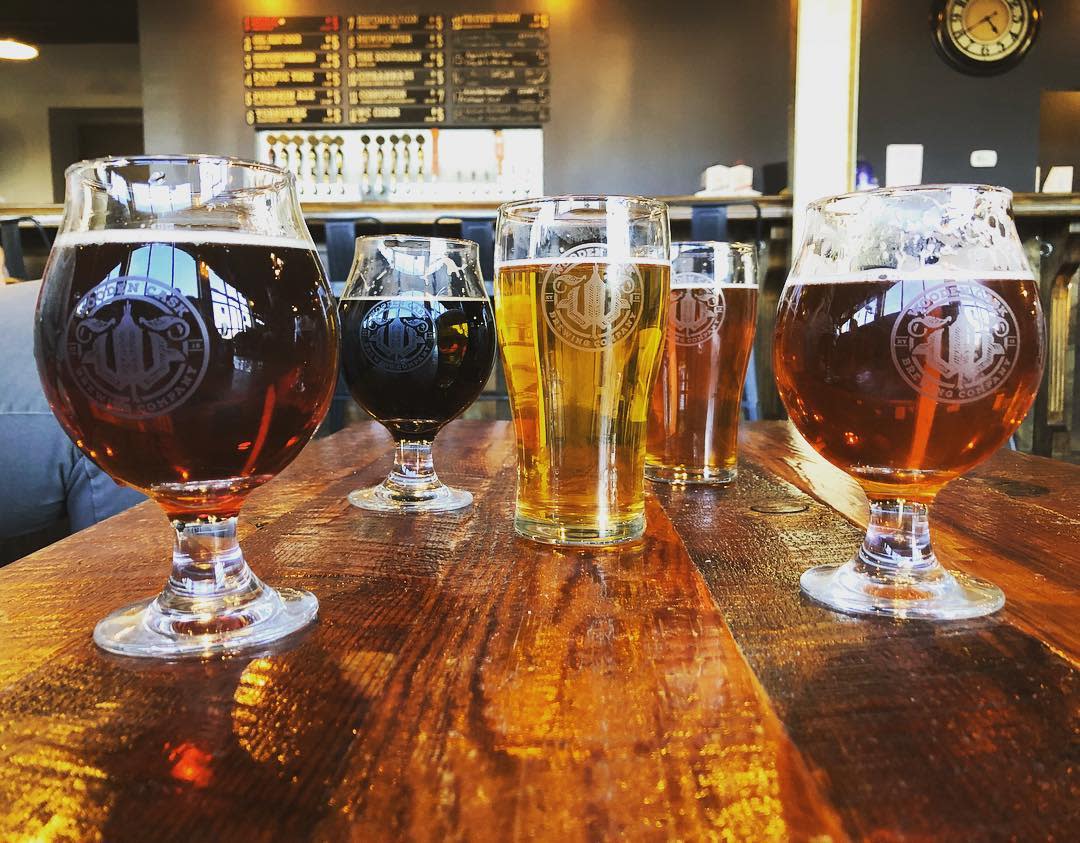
(13, 50)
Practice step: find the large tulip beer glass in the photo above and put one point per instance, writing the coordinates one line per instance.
(187, 343)
(908, 348)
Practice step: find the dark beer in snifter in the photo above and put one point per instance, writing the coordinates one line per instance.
(193, 365)
(416, 362)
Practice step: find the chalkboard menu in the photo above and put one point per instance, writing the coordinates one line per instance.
(399, 69)
(499, 69)
(292, 70)
(396, 70)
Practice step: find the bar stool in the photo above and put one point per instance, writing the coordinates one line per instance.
(11, 242)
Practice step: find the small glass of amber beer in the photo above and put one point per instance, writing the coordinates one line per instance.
(695, 408)
(187, 343)
(580, 309)
(909, 346)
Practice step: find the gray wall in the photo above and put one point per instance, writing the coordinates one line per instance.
(907, 94)
(645, 94)
(64, 75)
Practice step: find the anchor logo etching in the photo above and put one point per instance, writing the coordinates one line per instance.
(956, 343)
(697, 308)
(590, 303)
(398, 335)
(136, 346)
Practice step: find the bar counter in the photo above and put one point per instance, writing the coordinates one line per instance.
(465, 684)
(681, 207)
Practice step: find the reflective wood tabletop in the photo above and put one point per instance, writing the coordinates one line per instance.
(465, 684)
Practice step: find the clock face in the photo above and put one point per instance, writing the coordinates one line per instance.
(985, 36)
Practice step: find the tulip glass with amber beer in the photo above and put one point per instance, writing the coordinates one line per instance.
(580, 308)
(909, 346)
(696, 403)
(187, 343)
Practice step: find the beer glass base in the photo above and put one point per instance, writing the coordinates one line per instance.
(934, 594)
(581, 535)
(382, 498)
(144, 629)
(679, 476)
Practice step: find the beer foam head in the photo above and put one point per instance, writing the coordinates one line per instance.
(194, 236)
(559, 261)
(415, 297)
(925, 274)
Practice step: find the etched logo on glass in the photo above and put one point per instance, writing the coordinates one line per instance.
(697, 308)
(136, 346)
(398, 335)
(956, 342)
(588, 302)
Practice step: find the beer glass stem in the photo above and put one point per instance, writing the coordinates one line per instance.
(897, 542)
(412, 485)
(414, 470)
(210, 576)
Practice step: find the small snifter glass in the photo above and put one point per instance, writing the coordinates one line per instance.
(418, 347)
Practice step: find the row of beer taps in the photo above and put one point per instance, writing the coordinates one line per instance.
(385, 168)
(318, 163)
(388, 165)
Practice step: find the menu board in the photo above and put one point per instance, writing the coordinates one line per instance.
(499, 69)
(292, 70)
(397, 69)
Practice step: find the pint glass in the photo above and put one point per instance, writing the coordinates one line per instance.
(580, 301)
(909, 347)
(187, 343)
(695, 409)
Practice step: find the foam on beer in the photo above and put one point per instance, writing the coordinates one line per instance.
(194, 236)
(925, 274)
(518, 263)
(723, 285)
(417, 297)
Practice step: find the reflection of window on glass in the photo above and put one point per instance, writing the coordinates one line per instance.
(165, 263)
(231, 311)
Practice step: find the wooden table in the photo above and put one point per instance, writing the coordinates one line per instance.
(464, 684)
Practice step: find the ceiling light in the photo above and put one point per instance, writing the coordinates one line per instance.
(16, 50)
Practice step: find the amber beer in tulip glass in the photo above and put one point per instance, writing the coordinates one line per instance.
(580, 307)
(696, 403)
(187, 343)
(909, 346)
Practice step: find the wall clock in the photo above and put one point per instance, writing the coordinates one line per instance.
(984, 37)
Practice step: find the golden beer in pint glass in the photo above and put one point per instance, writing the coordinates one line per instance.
(909, 346)
(695, 408)
(580, 306)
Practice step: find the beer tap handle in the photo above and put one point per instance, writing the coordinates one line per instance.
(393, 163)
(271, 140)
(365, 165)
(406, 163)
(298, 160)
(380, 157)
(419, 157)
(339, 163)
(324, 154)
(313, 161)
